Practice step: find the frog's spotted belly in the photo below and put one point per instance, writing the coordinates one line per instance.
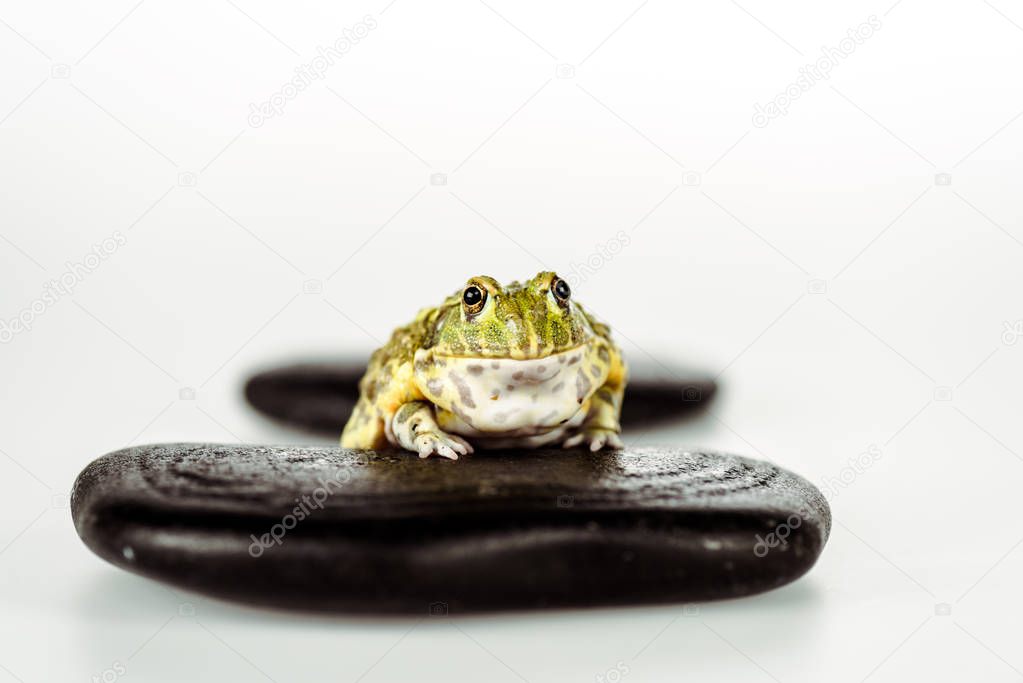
(523, 437)
(504, 402)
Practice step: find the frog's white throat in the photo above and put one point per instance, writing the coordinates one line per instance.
(504, 397)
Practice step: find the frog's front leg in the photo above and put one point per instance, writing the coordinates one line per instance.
(414, 427)
(602, 425)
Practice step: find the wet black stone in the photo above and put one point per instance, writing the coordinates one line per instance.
(491, 531)
(319, 397)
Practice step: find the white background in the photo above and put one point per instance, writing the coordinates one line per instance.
(128, 117)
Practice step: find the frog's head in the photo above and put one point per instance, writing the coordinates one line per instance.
(521, 358)
(531, 320)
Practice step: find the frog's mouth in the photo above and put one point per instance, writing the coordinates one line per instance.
(530, 370)
(483, 352)
(495, 394)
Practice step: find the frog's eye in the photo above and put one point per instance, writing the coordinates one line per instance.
(562, 292)
(473, 299)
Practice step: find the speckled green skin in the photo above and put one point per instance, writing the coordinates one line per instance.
(551, 374)
(518, 322)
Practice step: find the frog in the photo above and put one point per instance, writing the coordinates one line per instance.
(494, 366)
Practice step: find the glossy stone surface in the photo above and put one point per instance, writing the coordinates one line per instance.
(387, 532)
(318, 397)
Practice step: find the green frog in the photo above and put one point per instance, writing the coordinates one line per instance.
(521, 365)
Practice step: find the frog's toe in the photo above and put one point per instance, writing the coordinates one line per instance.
(446, 451)
(604, 438)
(444, 445)
(573, 441)
(460, 444)
(596, 439)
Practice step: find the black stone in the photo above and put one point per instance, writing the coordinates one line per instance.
(491, 531)
(319, 397)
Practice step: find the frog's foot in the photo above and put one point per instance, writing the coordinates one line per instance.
(414, 427)
(441, 443)
(596, 437)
